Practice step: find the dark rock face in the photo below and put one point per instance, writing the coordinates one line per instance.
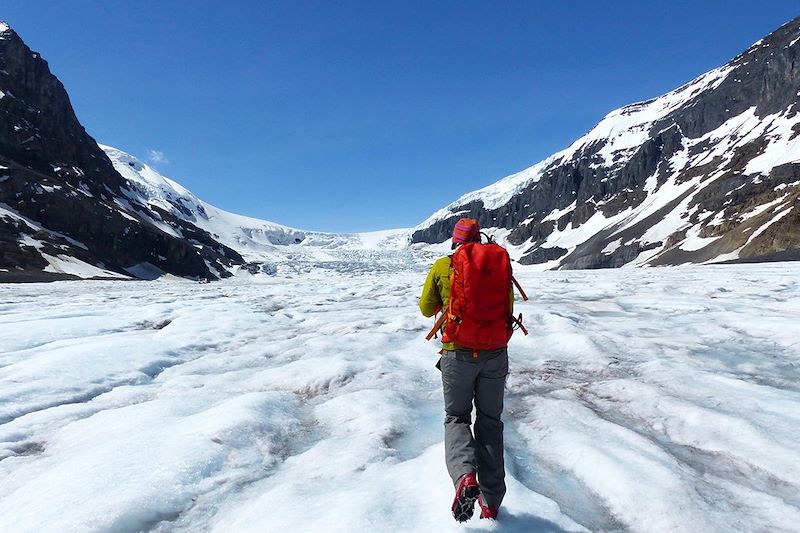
(62, 195)
(697, 141)
(541, 254)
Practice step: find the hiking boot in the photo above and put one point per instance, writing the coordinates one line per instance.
(488, 511)
(467, 491)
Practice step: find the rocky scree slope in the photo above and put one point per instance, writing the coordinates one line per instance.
(706, 173)
(64, 210)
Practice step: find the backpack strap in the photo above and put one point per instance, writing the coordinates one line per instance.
(518, 322)
(519, 288)
(438, 325)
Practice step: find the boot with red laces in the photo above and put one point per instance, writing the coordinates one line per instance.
(467, 491)
(488, 511)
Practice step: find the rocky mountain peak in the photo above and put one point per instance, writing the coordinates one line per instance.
(706, 172)
(63, 204)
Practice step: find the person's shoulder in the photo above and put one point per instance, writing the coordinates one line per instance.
(442, 262)
(441, 266)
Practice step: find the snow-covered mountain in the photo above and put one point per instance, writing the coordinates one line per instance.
(706, 173)
(69, 209)
(162, 195)
(253, 238)
(64, 211)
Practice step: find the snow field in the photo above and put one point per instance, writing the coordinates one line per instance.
(643, 400)
(669, 394)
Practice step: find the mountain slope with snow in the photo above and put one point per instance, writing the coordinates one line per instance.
(709, 172)
(706, 173)
(162, 194)
(253, 238)
(70, 210)
(64, 210)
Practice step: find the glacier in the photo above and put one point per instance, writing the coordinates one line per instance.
(643, 400)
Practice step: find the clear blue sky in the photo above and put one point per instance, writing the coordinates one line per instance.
(355, 116)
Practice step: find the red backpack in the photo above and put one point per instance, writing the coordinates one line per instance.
(479, 312)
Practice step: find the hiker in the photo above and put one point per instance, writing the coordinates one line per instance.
(474, 363)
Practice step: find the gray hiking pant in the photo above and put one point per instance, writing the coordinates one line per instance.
(480, 379)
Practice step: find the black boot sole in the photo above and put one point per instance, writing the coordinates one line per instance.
(464, 506)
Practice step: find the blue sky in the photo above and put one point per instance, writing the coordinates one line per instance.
(357, 116)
